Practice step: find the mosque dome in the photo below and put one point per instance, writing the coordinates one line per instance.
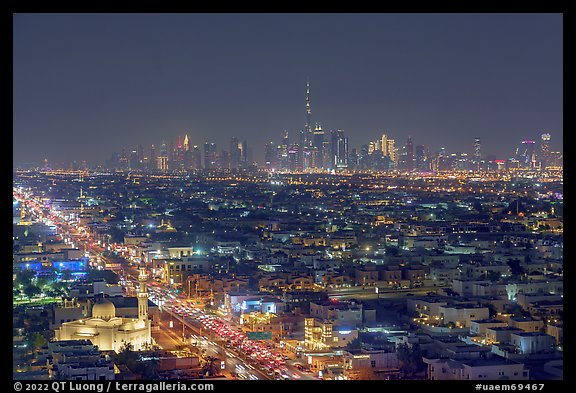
(104, 309)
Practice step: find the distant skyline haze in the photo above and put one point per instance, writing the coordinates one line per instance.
(87, 85)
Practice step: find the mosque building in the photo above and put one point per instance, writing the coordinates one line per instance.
(109, 332)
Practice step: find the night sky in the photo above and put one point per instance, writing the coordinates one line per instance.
(88, 85)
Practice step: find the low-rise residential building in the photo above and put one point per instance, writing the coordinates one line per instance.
(338, 313)
(556, 330)
(462, 315)
(77, 360)
(552, 286)
(526, 299)
(546, 308)
(97, 287)
(180, 252)
(465, 287)
(365, 276)
(478, 327)
(527, 324)
(532, 342)
(428, 306)
(443, 276)
(489, 289)
(132, 240)
(69, 310)
(240, 303)
(461, 351)
(176, 270)
(480, 369)
(359, 364)
(500, 334)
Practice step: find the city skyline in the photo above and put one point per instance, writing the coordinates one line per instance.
(148, 78)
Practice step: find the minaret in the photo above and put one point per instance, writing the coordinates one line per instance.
(142, 294)
(23, 212)
(81, 178)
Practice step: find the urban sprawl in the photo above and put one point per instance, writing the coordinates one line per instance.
(276, 274)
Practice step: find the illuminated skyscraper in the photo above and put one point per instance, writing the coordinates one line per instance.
(477, 152)
(282, 152)
(307, 158)
(555, 159)
(525, 154)
(342, 150)
(318, 146)
(305, 141)
(544, 150)
(186, 143)
(326, 155)
(234, 153)
(409, 154)
(153, 162)
(371, 147)
(196, 157)
(163, 158)
(333, 149)
(391, 150)
(308, 126)
(353, 159)
(294, 163)
(244, 154)
(133, 161)
(421, 158)
(270, 160)
(301, 143)
(187, 154)
(210, 155)
(384, 144)
(179, 153)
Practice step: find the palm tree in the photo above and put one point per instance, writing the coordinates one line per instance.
(35, 342)
(126, 354)
(209, 367)
(31, 290)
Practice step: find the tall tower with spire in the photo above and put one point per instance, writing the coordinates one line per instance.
(142, 293)
(308, 126)
(186, 143)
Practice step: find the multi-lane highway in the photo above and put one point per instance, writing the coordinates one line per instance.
(256, 359)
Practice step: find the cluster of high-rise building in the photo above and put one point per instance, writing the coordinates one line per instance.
(310, 151)
(184, 157)
(313, 149)
(530, 155)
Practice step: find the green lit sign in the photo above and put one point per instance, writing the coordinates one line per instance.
(259, 335)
